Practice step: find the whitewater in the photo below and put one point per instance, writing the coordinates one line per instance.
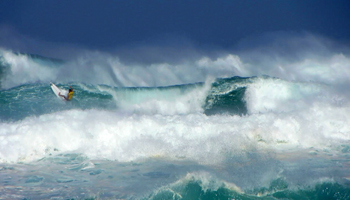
(226, 127)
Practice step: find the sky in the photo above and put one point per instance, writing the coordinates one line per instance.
(108, 25)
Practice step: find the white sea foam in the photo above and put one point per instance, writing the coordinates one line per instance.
(206, 139)
(276, 95)
(305, 108)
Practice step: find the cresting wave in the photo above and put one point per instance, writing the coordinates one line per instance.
(98, 68)
(202, 185)
(193, 132)
(106, 69)
(271, 112)
(172, 122)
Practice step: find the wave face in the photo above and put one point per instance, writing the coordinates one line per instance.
(137, 132)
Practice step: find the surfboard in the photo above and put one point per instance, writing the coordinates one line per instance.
(57, 90)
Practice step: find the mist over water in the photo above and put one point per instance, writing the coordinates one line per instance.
(292, 57)
(244, 124)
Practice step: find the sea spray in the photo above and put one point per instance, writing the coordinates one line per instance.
(124, 136)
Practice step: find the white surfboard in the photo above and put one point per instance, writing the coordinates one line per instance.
(57, 90)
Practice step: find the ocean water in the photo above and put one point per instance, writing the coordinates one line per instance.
(203, 129)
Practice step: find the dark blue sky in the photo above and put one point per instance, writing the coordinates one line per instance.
(108, 24)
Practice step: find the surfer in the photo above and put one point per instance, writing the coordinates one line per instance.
(69, 95)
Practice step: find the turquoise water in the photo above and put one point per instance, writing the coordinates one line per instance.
(37, 99)
(252, 137)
